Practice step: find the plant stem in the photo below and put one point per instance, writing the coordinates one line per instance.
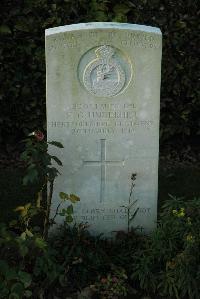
(47, 214)
(56, 213)
(133, 177)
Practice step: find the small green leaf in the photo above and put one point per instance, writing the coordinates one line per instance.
(11, 274)
(73, 198)
(19, 209)
(40, 243)
(23, 250)
(63, 196)
(23, 236)
(63, 280)
(28, 294)
(29, 233)
(57, 160)
(63, 212)
(13, 223)
(17, 289)
(56, 143)
(31, 176)
(70, 210)
(69, 219)
(25, 278)
(133, 215)
(121, 9)
(4, 29)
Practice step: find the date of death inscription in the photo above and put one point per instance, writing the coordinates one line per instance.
(107, 214)
(85, 119)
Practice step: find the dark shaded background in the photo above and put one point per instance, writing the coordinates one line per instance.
(22, 64)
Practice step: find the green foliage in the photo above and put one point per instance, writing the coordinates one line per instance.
(165, 263)
(169, 262)
(14, 283)
(28, 265)
(40, 171)
(23, 63)
(111, 286)
(39, 161)
(14, 276)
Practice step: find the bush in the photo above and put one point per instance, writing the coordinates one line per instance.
(165, 263)
(22, 28)
(169, 263)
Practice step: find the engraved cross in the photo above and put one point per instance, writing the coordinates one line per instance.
(103, 163)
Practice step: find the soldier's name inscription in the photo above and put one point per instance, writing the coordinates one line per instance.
(93, 118)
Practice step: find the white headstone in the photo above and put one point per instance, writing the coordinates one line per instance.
(103, 95)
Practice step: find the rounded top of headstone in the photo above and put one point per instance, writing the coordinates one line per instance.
(102, 25)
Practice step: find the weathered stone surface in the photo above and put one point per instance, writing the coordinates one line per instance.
(103, 89)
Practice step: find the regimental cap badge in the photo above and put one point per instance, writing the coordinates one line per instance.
(105, 71)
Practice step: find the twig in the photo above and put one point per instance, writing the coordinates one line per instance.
(133, 178)
(47, 214)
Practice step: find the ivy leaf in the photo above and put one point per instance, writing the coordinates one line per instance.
(56, 143)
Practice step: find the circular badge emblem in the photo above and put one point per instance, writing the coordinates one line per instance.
(104, 71)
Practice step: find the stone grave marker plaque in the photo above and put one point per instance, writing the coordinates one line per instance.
(103, 95)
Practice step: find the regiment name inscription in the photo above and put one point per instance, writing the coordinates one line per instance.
(105, 118)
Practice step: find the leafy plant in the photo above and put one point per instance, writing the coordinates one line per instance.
(111, 286)
(169, 261)
(131, 203)
(29, 266)
(41, 171)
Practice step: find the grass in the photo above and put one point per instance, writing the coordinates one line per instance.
(180, 181)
